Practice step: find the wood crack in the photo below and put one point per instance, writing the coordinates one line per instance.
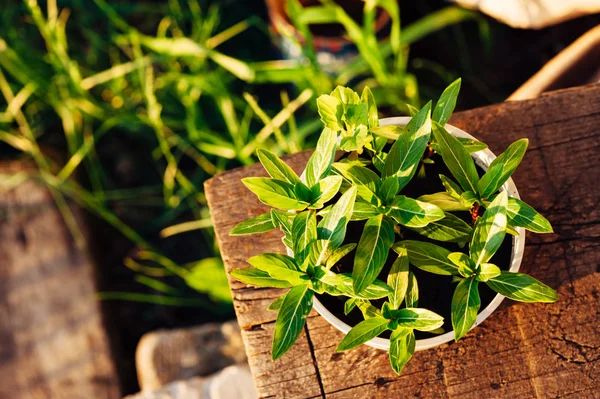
(314, 359)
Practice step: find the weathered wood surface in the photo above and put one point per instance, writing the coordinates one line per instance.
(52, 342)
(520, 351)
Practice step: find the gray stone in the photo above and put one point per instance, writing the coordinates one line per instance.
(165, 356)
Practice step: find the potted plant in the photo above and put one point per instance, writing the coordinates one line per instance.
(408, 205)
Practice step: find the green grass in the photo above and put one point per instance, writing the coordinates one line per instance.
(161, 100)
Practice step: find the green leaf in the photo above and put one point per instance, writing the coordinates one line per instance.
(398, 279)
(291, 319)
(304, 233)
(468, 198)
(331, 111)
(456, 158)
(332, 228)
(259, 224)
(522, 215)
(452, 188)
(357, 140)
(489, 230)
(487, 271)
(472, 145)
(402, 347)
(325, 190)
(412, 110)
(445, 105)
(368, 99)
(257, 277)
(388, 190)
(372, 251)
(346, 95)
(444, 201)
(466, 267)
(465, 305)
(448, 229)
(276, 168)
(276, 304)
(363, 210)
(280, 267)
(389, 132)
(368, 311)
(338, 254)
(365, 180)
(413, 213)
(303, 193)
(319, 163)
(342, 284)
(283, 221)
(349, 305)
(356, 114)
(407, 150)
(429, 257)
(521, 287)
(274, 193)
(363, 332)
(411, 300)
(502, 168)
(418, 318)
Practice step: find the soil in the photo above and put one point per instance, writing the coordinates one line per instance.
(435, 291)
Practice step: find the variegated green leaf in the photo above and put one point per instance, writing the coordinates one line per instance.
(363, 332)
(456, 158)
(291, 318)
(465, 305)
(398, 279)
(372, 251)
(502, 168)
(429, 257)
(276, 168)
(489, 230)
(521, 287)
(403, 158)
(413, 213)
(274, 193)
(259, 224)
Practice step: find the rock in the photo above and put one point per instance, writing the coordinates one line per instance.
(233, 382)
(165, 356)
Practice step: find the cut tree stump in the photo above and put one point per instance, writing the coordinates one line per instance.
(52, 342)
(521, 350)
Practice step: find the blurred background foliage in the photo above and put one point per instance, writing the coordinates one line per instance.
(127, 107)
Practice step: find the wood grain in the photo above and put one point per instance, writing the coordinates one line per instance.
(52, 342)
(521, 350)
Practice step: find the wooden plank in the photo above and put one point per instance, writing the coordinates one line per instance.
(52, 341)
(522, 350)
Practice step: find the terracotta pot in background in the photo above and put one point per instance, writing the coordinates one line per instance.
(334, 49)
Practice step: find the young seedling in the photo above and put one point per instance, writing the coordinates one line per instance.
(314, 210)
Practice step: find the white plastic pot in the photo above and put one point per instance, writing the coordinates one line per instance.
(483, 159)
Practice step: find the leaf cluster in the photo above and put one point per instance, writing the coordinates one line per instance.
(314, 210)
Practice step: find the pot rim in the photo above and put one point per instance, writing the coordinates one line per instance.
(483, 158)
